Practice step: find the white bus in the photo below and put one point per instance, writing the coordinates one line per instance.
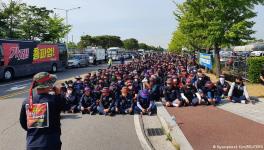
(115, 53)
(141, 51)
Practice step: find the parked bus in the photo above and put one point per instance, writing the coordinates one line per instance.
(21, 58)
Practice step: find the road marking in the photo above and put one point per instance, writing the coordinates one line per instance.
(13, 94)
(14, 82)
(18, 87)
(140, 132)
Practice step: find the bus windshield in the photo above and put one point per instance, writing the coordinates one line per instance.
(75, 57)
(113, 52)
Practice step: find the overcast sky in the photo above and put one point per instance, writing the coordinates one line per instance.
(149, 21)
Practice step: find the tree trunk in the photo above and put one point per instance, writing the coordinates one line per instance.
(217, 59)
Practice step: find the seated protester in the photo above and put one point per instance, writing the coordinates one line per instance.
(97, 94)
(87, 83)
(144, 104)
(125, 103)
(154, 90)
(71, 100)
(87, 103)
(201, 81)
(190, 95)
(222, 86)
(137, 85)
(175, 81)
(63, 90)
(211, 94)
(145, 82)
(120, 82)
(171, 95)
(262, 77)
(193, 78)
(106, 81)
(106, 103)
(78, 87)
(183, 76)
(238, 92)
(114, 90)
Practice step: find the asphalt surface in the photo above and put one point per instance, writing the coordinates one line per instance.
(79, 132)
(208, 127)
(23, 83)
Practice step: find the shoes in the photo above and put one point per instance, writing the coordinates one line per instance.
(149, 113)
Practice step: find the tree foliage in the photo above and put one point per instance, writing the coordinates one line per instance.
(216, 23)
(105, 41)
(131, 44)
(178, 42)
(25, 22)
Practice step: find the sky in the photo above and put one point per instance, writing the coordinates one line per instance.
(149, 21)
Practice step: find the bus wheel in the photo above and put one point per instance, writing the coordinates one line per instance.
(54, 68)
(8, 74)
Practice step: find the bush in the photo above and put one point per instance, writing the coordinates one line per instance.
(255, 65)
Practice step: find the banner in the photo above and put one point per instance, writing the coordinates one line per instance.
(29, 53)
(14, 54)
(39, 116)
(45, 53)
(206, 60)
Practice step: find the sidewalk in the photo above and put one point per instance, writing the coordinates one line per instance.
(207, 127)
(252, 112)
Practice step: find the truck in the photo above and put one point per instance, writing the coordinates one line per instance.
(21, 58)
(96, 55)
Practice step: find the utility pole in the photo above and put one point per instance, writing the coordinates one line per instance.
(66, 19)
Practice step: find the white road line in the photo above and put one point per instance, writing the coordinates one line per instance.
(18, 87)
(140, 135)
(14, 82)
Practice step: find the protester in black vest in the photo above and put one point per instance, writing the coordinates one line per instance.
(262, 77)
(222, 86)
(40, 114)
(238, 92)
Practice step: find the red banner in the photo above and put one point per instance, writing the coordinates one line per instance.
(13, 52)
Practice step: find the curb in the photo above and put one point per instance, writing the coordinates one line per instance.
(170, 126)
(146, 145)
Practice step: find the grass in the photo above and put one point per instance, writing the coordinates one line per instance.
(168, 137)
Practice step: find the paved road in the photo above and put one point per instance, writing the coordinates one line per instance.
(79, 132)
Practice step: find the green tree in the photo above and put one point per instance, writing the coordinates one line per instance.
(56, 30)
(105, 41)
(131, 44)
(214, 23)
(71, 45)
(35, 22)
(177, 42)
(85, 41)
(3, 24)
(11, 19)
(143, 46)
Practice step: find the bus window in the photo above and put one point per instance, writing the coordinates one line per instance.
(63, 54)
(1, 56)
(1, 52)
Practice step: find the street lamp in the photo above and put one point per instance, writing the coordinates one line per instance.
(66, 11)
